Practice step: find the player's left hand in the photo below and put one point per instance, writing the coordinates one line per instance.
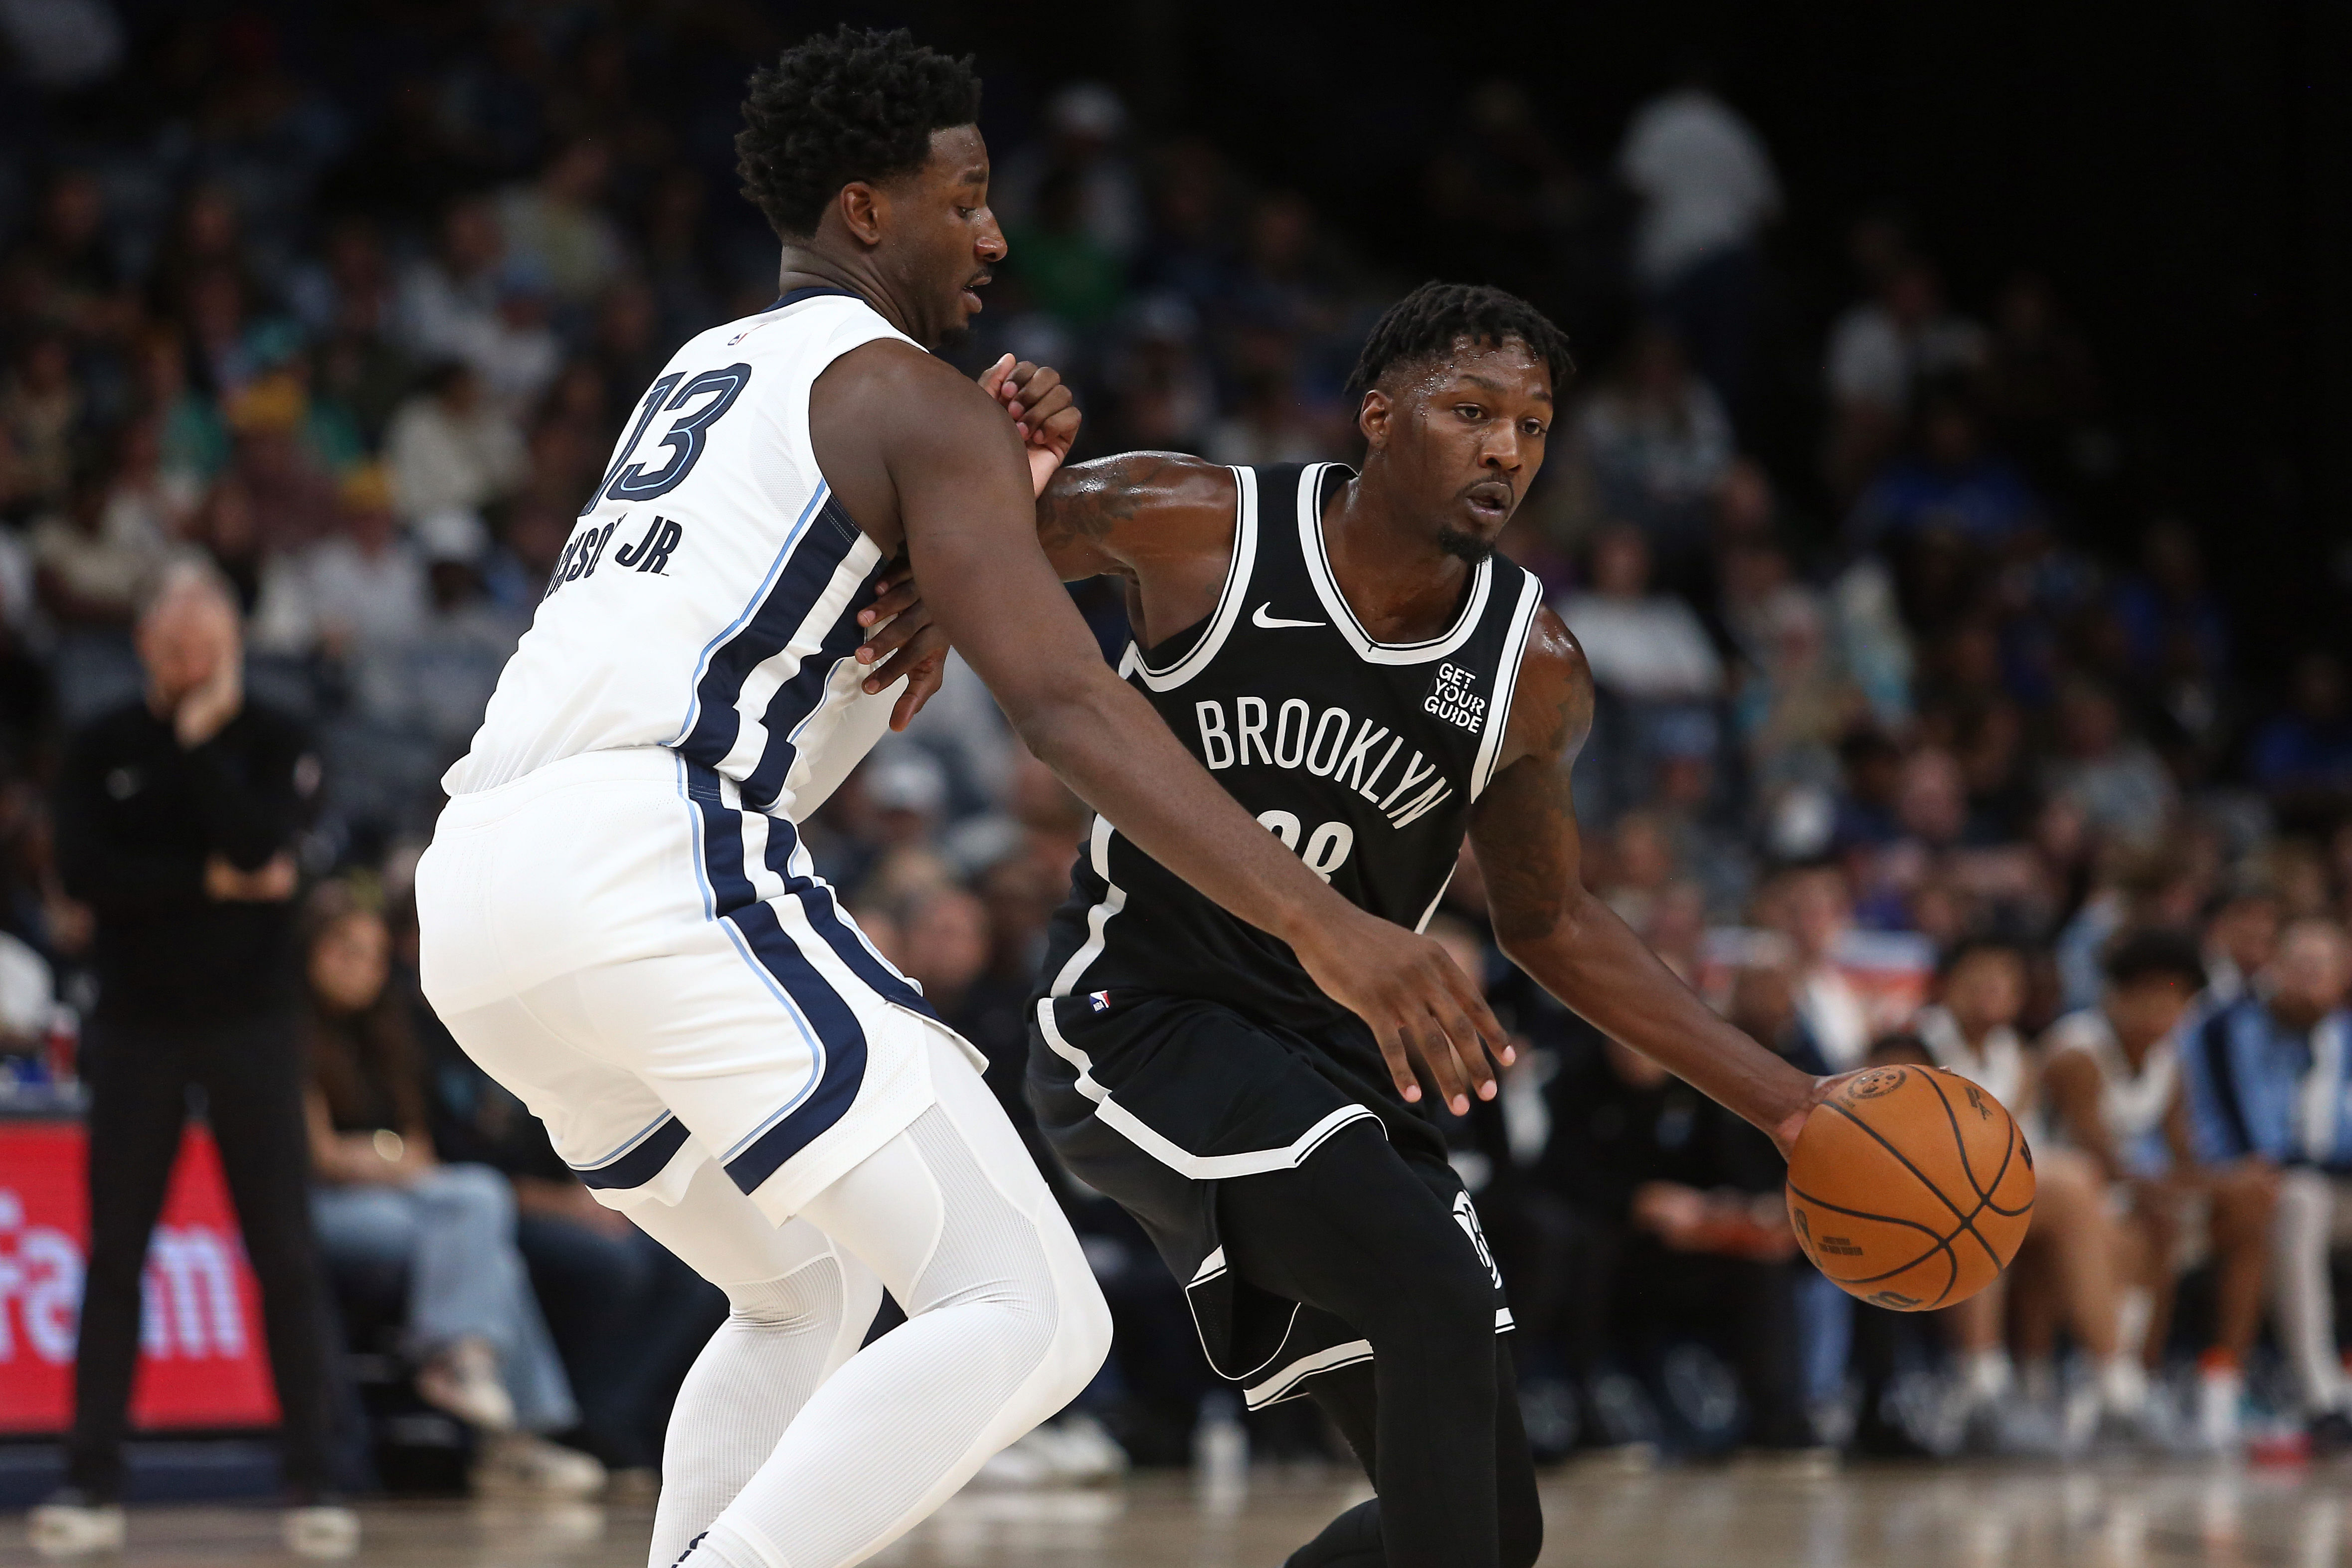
(1043, 409)
(902, 641)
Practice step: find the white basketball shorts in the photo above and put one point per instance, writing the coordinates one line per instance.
(661, 975)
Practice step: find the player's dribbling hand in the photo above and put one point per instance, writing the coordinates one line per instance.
(1418, 1003)
(1785, 1131)
(1043, 409)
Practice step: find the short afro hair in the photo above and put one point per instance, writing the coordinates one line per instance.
(2157, 954)
(1426, 323)
(851, 104)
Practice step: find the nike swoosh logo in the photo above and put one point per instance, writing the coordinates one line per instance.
(1276, 623)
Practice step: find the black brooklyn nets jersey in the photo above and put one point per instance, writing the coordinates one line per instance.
(1363, 757)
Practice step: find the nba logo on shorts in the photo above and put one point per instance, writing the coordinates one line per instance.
(1467, 1217)
(1101, 1000)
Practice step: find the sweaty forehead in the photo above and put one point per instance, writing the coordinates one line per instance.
(1508, 369)
(958, 154)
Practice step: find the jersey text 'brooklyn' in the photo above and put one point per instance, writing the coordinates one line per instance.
(1363, 757)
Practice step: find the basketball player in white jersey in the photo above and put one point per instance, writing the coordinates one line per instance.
(2070, 1250)
(621, 925)
(2112, 1079)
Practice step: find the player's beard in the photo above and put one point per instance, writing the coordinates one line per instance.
(1464, 545)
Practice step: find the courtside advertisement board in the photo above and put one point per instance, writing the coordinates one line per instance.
(202, 1362)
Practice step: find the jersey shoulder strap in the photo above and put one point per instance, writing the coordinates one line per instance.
(1186, 655)
(1508, 625)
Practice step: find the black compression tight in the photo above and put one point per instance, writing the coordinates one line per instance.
(1359, 1233)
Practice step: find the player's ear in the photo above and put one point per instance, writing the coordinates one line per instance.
(1372, 418)
(863, 210)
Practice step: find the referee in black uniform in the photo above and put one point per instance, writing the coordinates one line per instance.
(175, 821)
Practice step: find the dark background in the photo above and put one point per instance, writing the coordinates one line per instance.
(2178, 170)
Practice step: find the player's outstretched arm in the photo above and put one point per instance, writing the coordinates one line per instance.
(911, 448)
(1523, 830)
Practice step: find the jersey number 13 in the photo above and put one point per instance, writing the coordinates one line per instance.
(686, 437)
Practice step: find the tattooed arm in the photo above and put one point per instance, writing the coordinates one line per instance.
(1523, 830)
(1134, 511)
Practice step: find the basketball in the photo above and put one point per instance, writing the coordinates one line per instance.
(1910, 1187)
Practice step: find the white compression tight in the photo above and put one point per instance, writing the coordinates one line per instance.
(2301, 1231)
(789, 1446)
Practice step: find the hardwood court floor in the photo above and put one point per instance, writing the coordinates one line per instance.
(1949, 1517)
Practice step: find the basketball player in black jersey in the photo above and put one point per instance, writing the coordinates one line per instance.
(1347, 655)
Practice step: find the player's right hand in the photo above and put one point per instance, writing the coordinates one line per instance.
(902, 638)
(1044, 413)
(1417, 1002)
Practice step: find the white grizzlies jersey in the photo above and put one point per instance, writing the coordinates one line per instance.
(708, 600)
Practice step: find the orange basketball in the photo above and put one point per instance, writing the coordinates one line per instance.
(1910, 1187)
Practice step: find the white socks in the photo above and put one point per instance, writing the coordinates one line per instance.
(1988, 1375)
(2123, 1385)
(2134, 1309)
(2305, 1295)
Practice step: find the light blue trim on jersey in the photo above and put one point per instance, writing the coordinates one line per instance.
(625, 1144)
(751, 611)
(695, 828)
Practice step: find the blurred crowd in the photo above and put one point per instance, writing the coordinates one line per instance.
(1885, 761)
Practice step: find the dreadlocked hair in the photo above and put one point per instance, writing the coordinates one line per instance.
(851, 104)
(1426, 323)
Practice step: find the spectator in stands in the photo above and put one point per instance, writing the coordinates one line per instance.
(529, 354)
(1084, 122)
(91, 558)
(1270, 424)
(625, 345)
(286, 479)
(1947, 484)
(1679, 1220)
(176, 821)
(2168, 603)
(2267, 1080)
(2241, 932)
(1795, 708)
(1882, 351)
(1812, 907)
(626, 1315)
(1707, 190)
(433, 675)
(1971, 1031)
(1650, 660)
(2114, 1081)
(65, 274)
(384, 1202)
(195, 443)
(2121, 787)
(448, 302)
(359, 591)
(557, 223)
(41, 412)
(1656, 443)
(1164, 399)
(2041, 385)
(450, 445)
(2305, 752)
(1068, 273)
